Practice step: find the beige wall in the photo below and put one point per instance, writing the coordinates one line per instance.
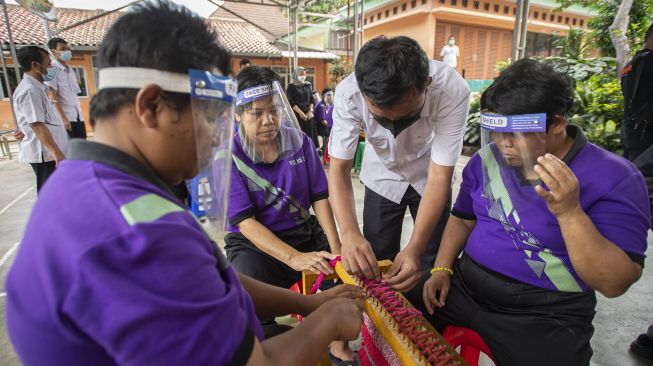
(321, 67)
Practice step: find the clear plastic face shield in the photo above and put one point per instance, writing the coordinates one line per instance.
(510, 146)
(267, 128)
(212, 103)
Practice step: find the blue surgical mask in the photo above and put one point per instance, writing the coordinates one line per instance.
(65, 56)
(50, 74)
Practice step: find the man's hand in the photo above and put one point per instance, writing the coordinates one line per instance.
(404, 273)
(337, 292)
(19, 135)
(348, 315)
(315, 262)
(66, 123)
(439, 282)
(358, 257)
(58, 157)
(562, 198)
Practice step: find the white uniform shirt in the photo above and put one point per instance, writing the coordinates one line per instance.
(450, 55)
(67, 88)
(31, 104)
(390, 165)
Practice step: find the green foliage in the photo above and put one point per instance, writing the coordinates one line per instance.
(606, 10)
(598, 102)
(323, 7)
(339, 70)
(575, 44)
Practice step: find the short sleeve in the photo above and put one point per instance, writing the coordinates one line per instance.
(30, 103)
(450, 121)
(241, 206)
(464, 206)
(320, 112)
(623, 216)
(145, 306)
(347, 124)
(317, 179)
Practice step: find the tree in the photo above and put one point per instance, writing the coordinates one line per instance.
(618, 30)
(637, 19)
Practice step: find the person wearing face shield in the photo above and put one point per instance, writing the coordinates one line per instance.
(64, 89)
(413, 112)
(277, 177)
(112, 270)
(543, 220)
(43, 138)
(300, 97)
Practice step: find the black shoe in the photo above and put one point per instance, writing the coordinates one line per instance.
(643, 347)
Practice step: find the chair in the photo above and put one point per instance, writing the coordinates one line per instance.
(325, 158)
(471, 344)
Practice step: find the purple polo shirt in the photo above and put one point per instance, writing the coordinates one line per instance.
(526, 243)
(322, 112)
(278, 195)
(112, 271)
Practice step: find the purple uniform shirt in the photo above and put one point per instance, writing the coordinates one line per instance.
(322, 112)
(112, 271)
(278, 195)
(526, 243)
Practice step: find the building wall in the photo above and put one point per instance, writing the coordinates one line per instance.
(483, 29)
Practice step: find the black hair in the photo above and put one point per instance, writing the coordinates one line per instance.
(254, 76)
(324, 91)
(386, 68)
(245, 61)
(649, 32)
(529, 86)
(52, 43)
(28, 54)
(157, 35)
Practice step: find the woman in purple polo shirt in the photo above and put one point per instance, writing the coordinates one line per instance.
(543, 219)
(324, 115)
(277, 177)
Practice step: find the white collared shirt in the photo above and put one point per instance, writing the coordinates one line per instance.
(67, 88)
(31, 105)
(392, 164)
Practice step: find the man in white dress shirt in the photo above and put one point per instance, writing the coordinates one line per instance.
(450, 53)
(64, 89)
(45, 140)
(413, 112)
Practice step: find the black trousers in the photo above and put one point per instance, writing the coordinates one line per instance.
(43, 172)
(253, 262)
(520, 323)
(383, 220)
(77, 130)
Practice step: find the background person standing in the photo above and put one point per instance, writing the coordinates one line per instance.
(450, 53)
(64, 89)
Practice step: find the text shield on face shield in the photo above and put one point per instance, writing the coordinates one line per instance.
(212, 102)
(267, 128)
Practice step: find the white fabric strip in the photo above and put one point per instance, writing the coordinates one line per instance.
(137, 77)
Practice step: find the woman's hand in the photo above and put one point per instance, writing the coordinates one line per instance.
(316, 262)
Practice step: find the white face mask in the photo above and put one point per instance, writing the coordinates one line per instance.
(452, 42)
(301, 78)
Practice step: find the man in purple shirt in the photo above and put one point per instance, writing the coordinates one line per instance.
(122, 274)
(543, 220)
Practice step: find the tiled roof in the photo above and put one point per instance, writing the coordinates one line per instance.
(273, 19)
(27, 28)
(236, 35)
(241, 37)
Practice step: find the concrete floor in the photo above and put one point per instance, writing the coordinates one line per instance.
(618, 321)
